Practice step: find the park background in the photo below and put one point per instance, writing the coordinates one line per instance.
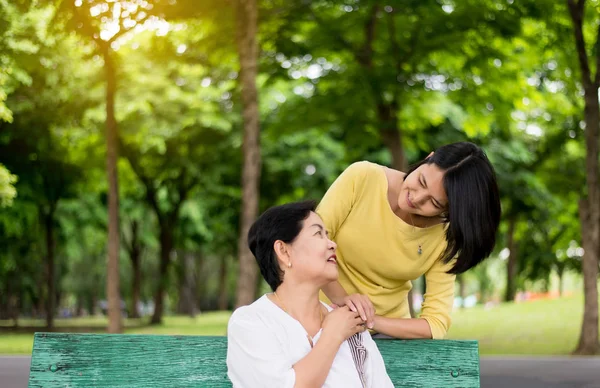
(139, 139)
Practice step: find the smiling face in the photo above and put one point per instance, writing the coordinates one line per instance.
(423, 192)
(311, 254)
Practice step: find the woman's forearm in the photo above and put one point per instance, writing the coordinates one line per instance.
(335, 292)
(313, 369)
(403, 328)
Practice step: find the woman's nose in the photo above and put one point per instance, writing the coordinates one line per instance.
(332, 244)
(418, 197)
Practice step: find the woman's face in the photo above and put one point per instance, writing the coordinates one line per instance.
(423, 193)
(312, 254)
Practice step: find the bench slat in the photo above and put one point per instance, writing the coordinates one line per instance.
(431, 363)
(134, 361)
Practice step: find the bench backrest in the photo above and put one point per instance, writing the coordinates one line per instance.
(105, 360)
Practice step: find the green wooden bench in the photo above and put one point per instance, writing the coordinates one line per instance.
(108, 360)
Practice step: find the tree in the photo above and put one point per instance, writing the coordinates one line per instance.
(32, 145)
(247, 30)
(103, 23)
(177, 185)
(171, 146)
(134, 222)
(47, 176)
(524, 195)
(589, 205)
(83, 234)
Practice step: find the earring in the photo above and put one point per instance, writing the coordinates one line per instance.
(289, 264)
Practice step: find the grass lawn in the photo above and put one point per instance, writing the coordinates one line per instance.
(214, 323)
(549, 327)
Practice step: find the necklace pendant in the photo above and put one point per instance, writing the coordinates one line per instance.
(419, 251)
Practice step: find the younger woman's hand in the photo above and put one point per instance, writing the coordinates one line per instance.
(362, 305)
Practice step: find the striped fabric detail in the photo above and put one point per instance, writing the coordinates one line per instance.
(359, 355)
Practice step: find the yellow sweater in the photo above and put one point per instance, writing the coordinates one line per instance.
(378, 252)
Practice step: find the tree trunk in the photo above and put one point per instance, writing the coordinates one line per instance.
(15, 310)
(588, 339)
(191, 280)
(247, 25)
(113, 293)
(589, 208)
(50, 283)
(392, 135)
(589, 213)
(166, 248)
(11, 301)
(484, 283)
(93, 304)
(182, 291)
(79, 306)
(135, 254)
(58, 295)
(136, 287)
(41, 307)
(461, 290)
(511, 264)
(200, 289)
(4, 303)
(187, 283)
(561, 278)
(223, 294)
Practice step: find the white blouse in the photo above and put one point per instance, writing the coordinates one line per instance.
(264, 342)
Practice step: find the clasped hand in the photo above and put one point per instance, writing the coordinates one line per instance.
(362, 305)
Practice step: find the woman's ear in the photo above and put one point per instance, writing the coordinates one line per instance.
(282, 252)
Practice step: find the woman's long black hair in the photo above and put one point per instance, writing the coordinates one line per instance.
(473, 213)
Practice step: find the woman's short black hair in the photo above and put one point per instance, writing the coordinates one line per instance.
(283, 223)
(473, 213)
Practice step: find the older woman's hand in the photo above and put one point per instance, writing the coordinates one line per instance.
(342, 323)
(362, 305)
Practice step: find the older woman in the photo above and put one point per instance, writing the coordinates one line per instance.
(289, 338)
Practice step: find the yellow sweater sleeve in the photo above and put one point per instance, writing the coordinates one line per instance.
(341, 196)
(439, 298)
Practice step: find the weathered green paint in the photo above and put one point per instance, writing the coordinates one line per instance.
(134, 361)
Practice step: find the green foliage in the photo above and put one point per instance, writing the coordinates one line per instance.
(7, 190)
(19, 25)
(431, 61)
(334, 76)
